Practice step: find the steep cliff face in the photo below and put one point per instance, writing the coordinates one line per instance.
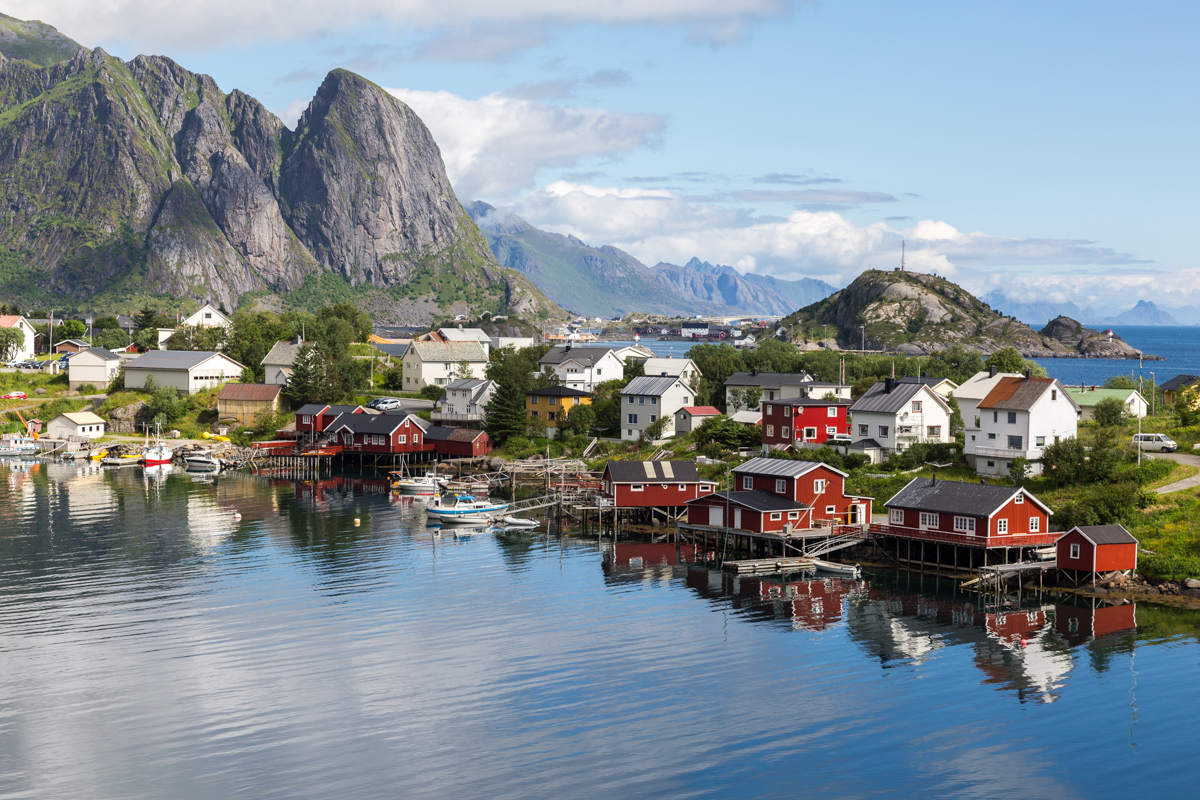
(34, 41)
(917, 314)
(144, 178)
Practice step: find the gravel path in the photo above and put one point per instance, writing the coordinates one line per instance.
(1186, 483)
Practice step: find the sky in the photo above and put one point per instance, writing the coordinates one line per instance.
(1046, 150)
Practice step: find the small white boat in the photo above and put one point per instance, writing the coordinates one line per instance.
(420, 486)
(853, 570)
(157, 453)
(464, 509)
(202, 460)
(517, 522)
(21, 447)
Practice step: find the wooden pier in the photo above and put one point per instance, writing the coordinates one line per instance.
(762, 565)
(723, 543)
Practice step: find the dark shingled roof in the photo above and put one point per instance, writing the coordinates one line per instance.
(104, 353)
(866, 444)
(757, 501)
(391, 348)
(1179, 382)
(587, 356)
(558, 391)
(371, 423)
(311, 409)
(1106, 534)
(772, 380)
(652, 472)
(956, 497)
(344, 409)
(441, 433)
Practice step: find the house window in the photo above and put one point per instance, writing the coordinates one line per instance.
(896, 516)
(991, 464)
(964, 524)
(641, 401)
(633, 419)
(653, 417)
(1019, 499)
(864, 430)
(533, 400)
(928, 520)
(991, 437)
(416, 438)
(1053, 395)
(683, 487)
(916, 407)
(1074, 551)
(705, 487)
(747, 482)
(1001, 526)
(934, 431)
(637, 487)
(552, 401)
(653, 401)
(402, 439)
(787, 411)
(793, 515)
(631, 400)
(533, 415)
(551, 416)
(770, 430)
(883, 431)
(819, 485)
(1035, 524)
(830, 430)
(831, 510)
(775, 517)
(1012, 418)
(1039, 441)
(785, 432)
(769, 410)
(831, 411)
(307, 420)
(1014, 442)
(780, 486)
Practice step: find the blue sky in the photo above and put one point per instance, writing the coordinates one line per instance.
(1047, 149)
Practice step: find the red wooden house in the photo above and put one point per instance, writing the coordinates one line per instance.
(380, 434)
(802, 419)
(1077, 624)
(1093, 549)
(458, 442)
(975, 514)
(653, 484)
(314, 418)
(771, 494)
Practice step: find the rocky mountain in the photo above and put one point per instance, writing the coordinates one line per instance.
(1144, 313)
(34, 41)
(608, 281)
(916, 313)
(121, 181)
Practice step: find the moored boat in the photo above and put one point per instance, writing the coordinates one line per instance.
(156, 454)
(464, 509)
(838, 569)
(202, 460)
(21, 446)
(419, 486)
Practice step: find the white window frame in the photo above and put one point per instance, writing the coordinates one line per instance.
(831, 510)
(896, 516)
(747, 482)
(776, 516)
(780, 486)
(770, 430)
(864, 430)
(930, 521)
(637, 487)
(810, 435)
(402, 439)
(1001, 526)
(1035, 524)
(964, 525)
(1075, 550)
(1019, 499)
(831, 411)
(793, 515)
(785, 432)
(819, 485)
(883, 432)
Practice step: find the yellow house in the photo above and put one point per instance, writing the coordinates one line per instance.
(550, 404)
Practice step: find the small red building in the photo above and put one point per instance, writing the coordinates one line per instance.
(973, 512)
(379, 434)
(689, 418)
(458, 442)
(802, 419)
(1093, 549)
(653, 484)
(314, 418)
(771, 493)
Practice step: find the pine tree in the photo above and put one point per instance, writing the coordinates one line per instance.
(307, 383)
(505, 413)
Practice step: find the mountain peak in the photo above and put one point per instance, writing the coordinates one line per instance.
(35, 41)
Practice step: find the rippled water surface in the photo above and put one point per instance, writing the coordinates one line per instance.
(151, 645)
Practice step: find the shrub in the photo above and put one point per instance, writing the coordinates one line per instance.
(1109, 411)
(87, 388)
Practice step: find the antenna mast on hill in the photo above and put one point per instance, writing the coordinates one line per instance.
(902, 255)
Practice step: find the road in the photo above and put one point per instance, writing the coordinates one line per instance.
(1186, 483)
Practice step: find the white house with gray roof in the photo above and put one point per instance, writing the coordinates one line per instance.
(464, 400)
(95, 365)
(187, 370)
(897, 415)
(439, 363)
(645, 400)
(583, 368)
(278, 363)
(1018, 418)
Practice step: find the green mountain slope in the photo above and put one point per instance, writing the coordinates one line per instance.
(34, 41)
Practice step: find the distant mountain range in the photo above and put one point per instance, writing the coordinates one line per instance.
(606, 281)
(1145, 312)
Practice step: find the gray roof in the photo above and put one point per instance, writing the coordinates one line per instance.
(769, 379)
(779, 467)
(758, 501)
(311, 409)
(469, 384)
(877, 400)
(372, 423)
(104, 353)
(391, 349)
(650, 385)
(865, 444)
(652, 472)
(1106, 534)
(1179, 382)
(558, 391)
(449, 351)
(588, 356)
(442, 433)
(173, 359)
(282, 354)
(956, 497)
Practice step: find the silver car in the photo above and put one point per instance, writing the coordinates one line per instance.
(1155, 442)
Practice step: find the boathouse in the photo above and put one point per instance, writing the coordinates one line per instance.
(813, 483)
(380, 435)
(1088, 550)
(458, 442)
(653, 484)
(314, 418)
(753, 511)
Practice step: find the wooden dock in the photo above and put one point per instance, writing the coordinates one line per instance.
(778, 565)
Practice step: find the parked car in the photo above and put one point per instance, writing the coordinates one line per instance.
(14, 396)
(387, 404)
(839, 439)
(1155, 442)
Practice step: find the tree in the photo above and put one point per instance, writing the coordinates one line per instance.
(165, 405)
(358, 322)
(1018, 470)
(431, 392)
(956, 362)
(110, 338)
(505, 415)
(1120, 382)
(463, 370)
(1109, 411)
(11, 340)
(307, 383)
(393, 378)
(545, 379)
(191, 337)
(634, 368)
(1187, 406)
(606, 400)
(146, 339)
(148, 319)
(535, 428)
(507, 364)
(1007, 359)
(577, 420)
(773, 355)
(654, 431)
(745, 397)
(956, 418)
(70, 329)
(1064, 460)
(106, 323)
(1104, 456)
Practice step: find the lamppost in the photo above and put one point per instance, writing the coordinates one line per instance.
(89, 323)
(1153, 392)
(825, 338)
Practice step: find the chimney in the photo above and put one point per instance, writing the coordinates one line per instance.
(925, 375)
(1028, 374)
(991, 372)
(754, 371)
(888, 385)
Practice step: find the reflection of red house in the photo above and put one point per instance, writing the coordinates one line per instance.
(647, 554)
(1092, 549)
(653, 484)
(1077, 624)
(1013, 626)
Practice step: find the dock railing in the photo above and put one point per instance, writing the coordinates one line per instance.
(965, 539)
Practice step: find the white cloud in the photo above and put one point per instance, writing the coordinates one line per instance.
(659, 225)
(1109, 290)
(494, 146)
(191, 25)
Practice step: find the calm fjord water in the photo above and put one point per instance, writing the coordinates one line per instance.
(152, 646)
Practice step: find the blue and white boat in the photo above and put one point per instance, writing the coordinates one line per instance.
(21, 447)
(464, 509)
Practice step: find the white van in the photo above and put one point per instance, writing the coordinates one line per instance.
(1156, 442)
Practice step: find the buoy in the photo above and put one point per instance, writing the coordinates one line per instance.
(356, 521)
(1022, 643)
(236, 515)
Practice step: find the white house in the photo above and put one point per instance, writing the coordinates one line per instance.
(476, 335)
(1087, 397)
(779, 386)
(439, 363)
(943, 386)
(163, 335)
(82, 423)
(208, 317)
(187, 370)
(645, 400)
(515, 342)
(464, 400)
(583, 368)
(638, 351)
(897, 415)
(969, 396)
(1018, 418)
(95, 365)
(24, 351)
(277, 364)
(698, 328)
(672, 368)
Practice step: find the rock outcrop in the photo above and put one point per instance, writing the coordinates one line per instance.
(124, 180)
